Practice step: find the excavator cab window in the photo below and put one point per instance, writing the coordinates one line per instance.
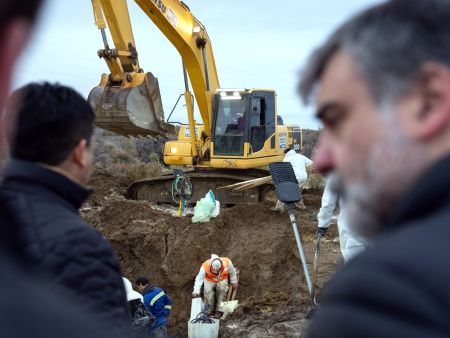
(257, 124)
(262, 119)
(229, 128)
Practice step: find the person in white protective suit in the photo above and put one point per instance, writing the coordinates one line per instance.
(131, 294)
(214, 275)
(141, 319)
(351, 244)
(299, 164)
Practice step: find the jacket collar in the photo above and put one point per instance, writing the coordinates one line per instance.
(148, 289)
(430, 193)
(29, 174)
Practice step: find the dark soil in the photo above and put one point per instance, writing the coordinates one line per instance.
(169, 250)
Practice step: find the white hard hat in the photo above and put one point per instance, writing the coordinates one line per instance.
(216, 264)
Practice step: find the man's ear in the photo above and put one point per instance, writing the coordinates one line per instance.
(433, 115)
(79, 154)
(12, 41)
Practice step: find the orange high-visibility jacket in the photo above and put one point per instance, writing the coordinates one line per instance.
(224, 272)
(205, 273)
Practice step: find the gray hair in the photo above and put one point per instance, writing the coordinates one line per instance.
(389, 43)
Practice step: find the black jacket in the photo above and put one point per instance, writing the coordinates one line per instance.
(30, 307)
(401, 286)
(39, 207)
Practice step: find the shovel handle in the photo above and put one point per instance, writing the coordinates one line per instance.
(233, 295)
(229, 293)
(315, 269)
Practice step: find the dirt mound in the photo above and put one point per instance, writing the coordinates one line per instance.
(169, 251)
(313, 198)
(105, 186)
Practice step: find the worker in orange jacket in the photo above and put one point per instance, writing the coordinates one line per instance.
(214, 274)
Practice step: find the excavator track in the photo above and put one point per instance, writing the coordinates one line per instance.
(159, 189)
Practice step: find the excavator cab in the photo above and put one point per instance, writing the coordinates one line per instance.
(229, 123)
(242, 116)
(130, 108)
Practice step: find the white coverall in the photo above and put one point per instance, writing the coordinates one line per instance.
(213, 292)
(299, 164)
(131, 294)
(351, 243)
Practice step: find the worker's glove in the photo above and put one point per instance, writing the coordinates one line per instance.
(321, 231)
(195, 295)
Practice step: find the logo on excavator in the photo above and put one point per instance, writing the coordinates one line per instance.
(229, 164)
(173, 19)
(160, 5)
(282, 140)
(187, 132)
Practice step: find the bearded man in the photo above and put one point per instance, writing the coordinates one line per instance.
(381, 85)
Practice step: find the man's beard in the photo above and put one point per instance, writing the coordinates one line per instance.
(392, 165)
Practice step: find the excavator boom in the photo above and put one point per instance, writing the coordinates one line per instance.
(189, 36)
(127, 101)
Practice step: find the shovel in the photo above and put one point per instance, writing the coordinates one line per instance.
(231, 303)
(315, 269)
(312, 312)
(288, 192)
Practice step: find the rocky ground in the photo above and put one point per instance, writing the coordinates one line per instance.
(149, 240)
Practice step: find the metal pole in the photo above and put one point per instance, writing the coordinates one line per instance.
(186, 82)
(300, 249)
(190, 111)
(105, 41)
(205, 65)
(315, 269)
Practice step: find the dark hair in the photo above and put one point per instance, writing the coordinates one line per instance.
(288, 149)
(142, 281)
(389, 43)
(46, 122)
(13, 9)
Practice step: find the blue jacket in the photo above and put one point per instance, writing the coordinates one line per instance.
(158, 303)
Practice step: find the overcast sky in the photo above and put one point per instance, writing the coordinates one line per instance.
(257, 44)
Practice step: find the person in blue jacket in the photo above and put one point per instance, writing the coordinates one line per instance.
(158, 303)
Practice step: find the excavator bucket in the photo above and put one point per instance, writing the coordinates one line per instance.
(130, 109)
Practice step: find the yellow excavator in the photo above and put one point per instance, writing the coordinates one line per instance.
(240, 133)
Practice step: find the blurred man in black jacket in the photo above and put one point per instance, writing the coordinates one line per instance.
(50, 129)
(29, 304)
(382, 90)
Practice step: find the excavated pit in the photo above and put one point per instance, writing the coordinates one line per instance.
(169, 250)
